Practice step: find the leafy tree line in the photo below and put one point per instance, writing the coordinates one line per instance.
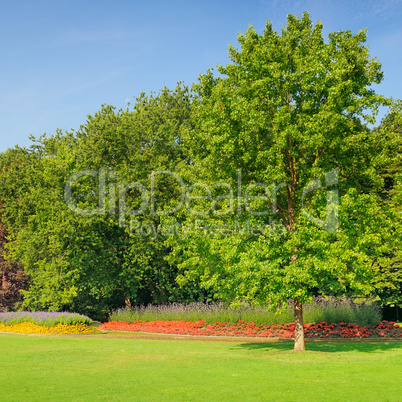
(285, 191)
(90, 263)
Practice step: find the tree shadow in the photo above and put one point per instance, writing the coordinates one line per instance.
(325, 347)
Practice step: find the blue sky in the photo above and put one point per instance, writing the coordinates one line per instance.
(61, 60)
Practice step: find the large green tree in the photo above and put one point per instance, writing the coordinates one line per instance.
(285, 123)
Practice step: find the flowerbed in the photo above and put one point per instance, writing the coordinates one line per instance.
(46, 323)
(321, 330)
(31, 328)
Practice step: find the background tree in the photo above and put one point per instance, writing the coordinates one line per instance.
(12, 277)
(91, 263)
(388, 270)
(288, 110)
(131, 146)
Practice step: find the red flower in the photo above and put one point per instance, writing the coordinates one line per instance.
(241, 328)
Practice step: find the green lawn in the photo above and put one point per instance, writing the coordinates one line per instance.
(38, 368)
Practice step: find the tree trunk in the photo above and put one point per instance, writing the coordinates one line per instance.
(299, 330)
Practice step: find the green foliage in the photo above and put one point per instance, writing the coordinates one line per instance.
(288, 110)
(388, 269)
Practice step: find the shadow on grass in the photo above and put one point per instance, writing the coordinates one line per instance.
(327, 347)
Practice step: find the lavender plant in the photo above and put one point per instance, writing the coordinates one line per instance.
(49, 318)
(333, 310)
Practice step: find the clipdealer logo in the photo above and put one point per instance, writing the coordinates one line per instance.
(112, 197)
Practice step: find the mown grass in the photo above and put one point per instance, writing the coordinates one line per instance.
(331, 310)
(95, 367)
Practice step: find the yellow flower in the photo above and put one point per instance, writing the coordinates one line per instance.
(59, 329)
